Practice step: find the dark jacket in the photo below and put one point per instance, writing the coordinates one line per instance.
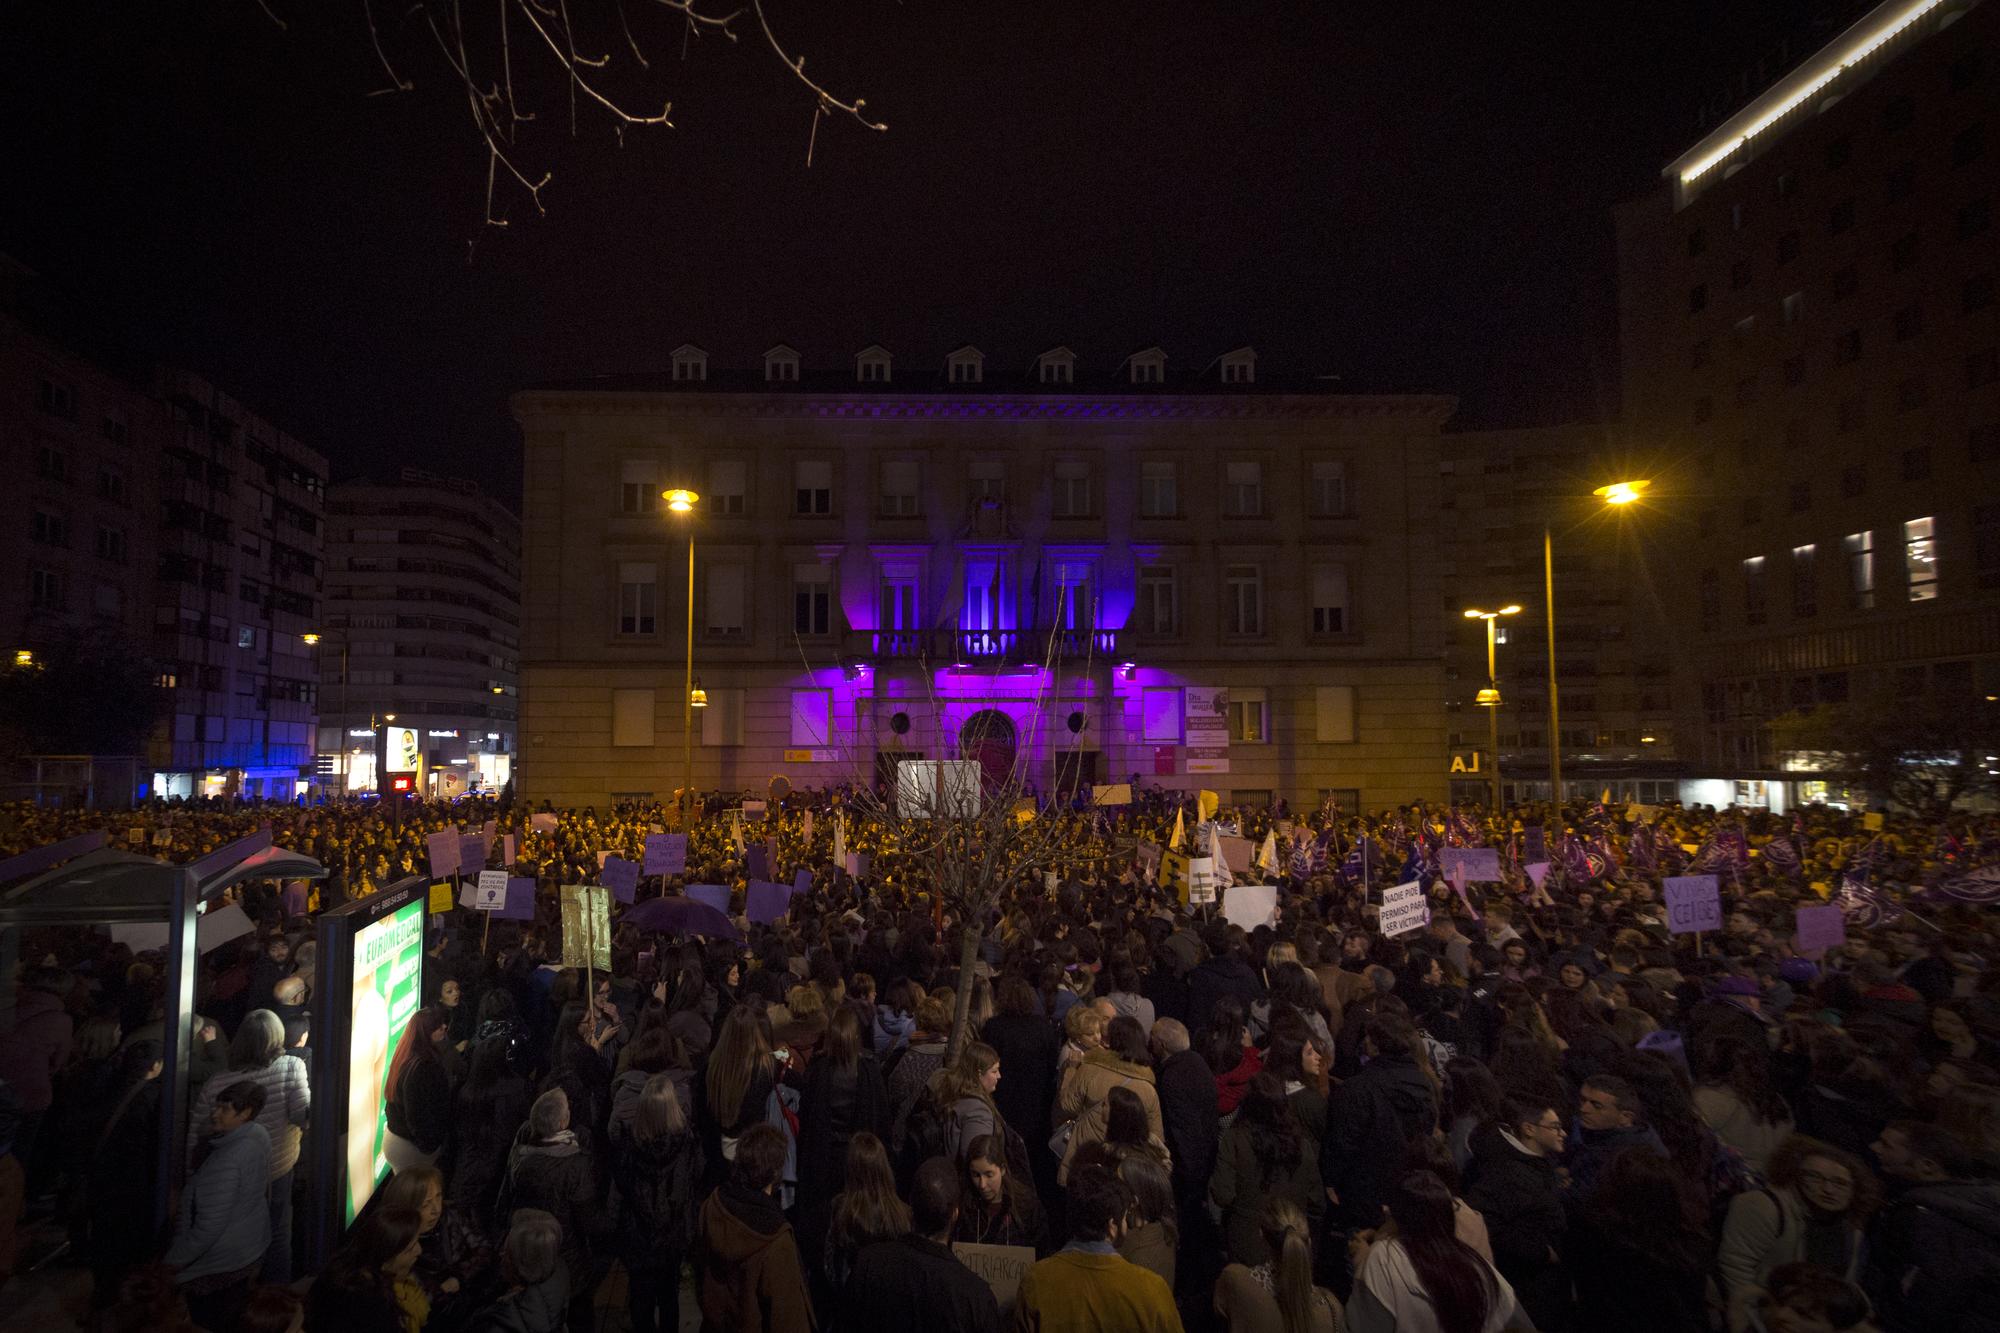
(483, 1132)
(1623, 1288)
(586, 1082)
(1215, 978)
(35, 1048)
(1936, 1259)
(1189, 1120)
(912, 1283)
(834, 1108)
(1240, 1190)
(751, 1280)
(362, 1305)
(558, 1177)
(656, 1195)
(1521, 1199)
(541, 1308)
(421, 1109)
(1591, 1150)
(1028, 1048)
(1370, 1123)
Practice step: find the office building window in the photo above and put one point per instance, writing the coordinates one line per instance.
(812, 600)
(1710, 585)
(1986, 544)
(1243, 488)
(1920, 559)
(638, 486)
(724, 613)
(1249, 715)
(1329, 599)
(51, 460)
(1754, 606)
(1159, 602)
(812, 487)
(1243, 600)
(1159, 489)
(1072, 488)
(900, 492)
(638, 598)
(1329, 487)
(988, 478)
(1859, 548)
(1805, 582)
(728, 487)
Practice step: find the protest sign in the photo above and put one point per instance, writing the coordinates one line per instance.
(520, 899)
(666, 854)
(443, 849)
(1694, 902)
(621, 877)
(1146, 858)
(508, 848)
(1201, 879)
(1534, 844)
(1537, 871)
(757, 861)
(471, 853)
(1251, 905)
(542, 823)
(1821, 928)
(802, 882)
(226, 923)
(753, 809)
(586, 925)
(1471, 865)
(1001, 1267)
(1117, 793)
(1236, 852)
(491, 893)
(1404, 909)
(766, 902)
(715, 895)
(441, 897)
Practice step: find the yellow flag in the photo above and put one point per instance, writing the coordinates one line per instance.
(1821, 887)
(1207, 803)
(1180, 832)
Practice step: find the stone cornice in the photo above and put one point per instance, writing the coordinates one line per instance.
(533, 407)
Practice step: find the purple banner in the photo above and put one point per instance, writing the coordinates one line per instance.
(666, 854)
(715, 895)
(520, 899)
(756, 861)
(766, 902)
(802, 882)
(621, 877)
(472, 854)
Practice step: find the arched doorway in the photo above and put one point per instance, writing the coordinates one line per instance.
(988, 736)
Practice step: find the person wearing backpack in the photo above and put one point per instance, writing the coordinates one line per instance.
(1935, 1262)
(1817, 1202)
(658, 1167)
(964, 1091)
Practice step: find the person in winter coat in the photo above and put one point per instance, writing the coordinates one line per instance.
(367, 1285)
(225, 1216)
(915, 1281)
(1121, 1062)
(657, 1159)
(997, 1207)
(1734, 1096)
(1224, 972)
(921, 1058)
(1402, 1282)
(550, 1169)
(656, 1050)
(1027, 1044)
(1371, 1121)
(1512, 1182)
(35, 1049)
(535, 1295)
(844, 1096)
(965, 1089)
(124, 1163)
(1607, 1123)
(1936, 1249)
(418, 1094)
(1087, 1287)
(1815, 1206)
(258, 1054)
(1189, 1120)
(487, 1111)
(751, 1279)
(1265, 1154)
(1638, 1249)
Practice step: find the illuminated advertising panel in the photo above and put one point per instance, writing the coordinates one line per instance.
(387, 988)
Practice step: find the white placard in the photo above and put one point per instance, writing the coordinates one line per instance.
(224, 924)
(1201, 879)
(1251, 905)
(1404, 909)
(491, 895)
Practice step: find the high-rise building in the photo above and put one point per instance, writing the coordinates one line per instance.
(240, 534)
(1504, 491)
(423, 622)
(1205, 580)
(1809, 325)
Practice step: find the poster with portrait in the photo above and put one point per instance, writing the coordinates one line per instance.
(388, 981)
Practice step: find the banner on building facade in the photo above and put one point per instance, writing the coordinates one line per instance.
(1205, 723)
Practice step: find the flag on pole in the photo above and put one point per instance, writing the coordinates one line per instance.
(840, 840)
(1180, 832)
(809, 831)
(1267, 855)
(1223, 878)
(1206, 803)
(736, 830)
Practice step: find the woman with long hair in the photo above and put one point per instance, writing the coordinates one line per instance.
(866, 1211)
(1265, 1154)
(1123, 1061)
(1424, 1279)
(487, 1110)
(1278, 1295)
(1225, 1047)
(996, 1206)
(366, 1286)
(1638, 1250)
(736, 1085)
(1472, 1097)
(844, 1096)
(1152, 1230)
(1735, 1097)
(417, 1094)
(965, 1089)
(1526, 1067)
(577, 1066)
(1296, 1057)
(658, 1162)
(1817, 1201)
(446, 1259)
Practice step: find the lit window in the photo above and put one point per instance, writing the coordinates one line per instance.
(1249, 720)
(1920, 559)
(1860, 551)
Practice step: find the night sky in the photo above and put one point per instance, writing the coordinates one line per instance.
(1411, 194)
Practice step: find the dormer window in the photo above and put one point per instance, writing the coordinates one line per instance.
(690, 364)
(1056, 366)
(871, 365)
(1239, 366)
(965, 366)
(1148, 367)
(781, 365)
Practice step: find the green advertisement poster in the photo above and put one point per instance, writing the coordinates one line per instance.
(388, 980)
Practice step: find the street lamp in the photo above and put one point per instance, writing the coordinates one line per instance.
(1617, 494)
(682, 502)
(1489, 698)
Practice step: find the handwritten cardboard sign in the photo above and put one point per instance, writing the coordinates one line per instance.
(1471, 865)
(1001, 1267)
(491, 893)
(1404, 909)
(1694, 902)
(666, 854)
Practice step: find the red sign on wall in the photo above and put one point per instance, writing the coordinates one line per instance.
(1163, 761)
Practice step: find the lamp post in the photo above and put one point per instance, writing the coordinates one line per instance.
(1618, 494)
(682, 502)
(1489, 698)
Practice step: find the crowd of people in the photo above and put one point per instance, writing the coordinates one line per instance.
(1542, 1109)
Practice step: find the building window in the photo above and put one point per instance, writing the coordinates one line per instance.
(49, 529)
(1853, 481)
(1710, 585)
(1159, 489)
(51, 460)
(1975, 293)
(1243, 488)
(1075, 605)
(1801, 496)
(1903, 254)
(1920, 559)
(812, 487)
(1986, 544)
(1056, 371)
(1329, 487)
(1847, 347)
(1072, 488)
(632, 718)
(900, 491)
(690, 365)
(1333, 718)
(56, 398)
(1788, 247)
(1329, 599)
(1917, 463)
(1243, 601)
(989, 480)
(1805, 582)
(899, 597)
(45, 590)
(1753, 591)
(1860, 550)
(638, 598)
(638, 486)
(1841, 218)
(812, 600)
(1249, 720)
(1846, 282)
(111, 545)
(1975, 217)
(728, 487)
(968, 370)
(1147, 372)
(1159, 602)
(1697, 298)
(724, 611)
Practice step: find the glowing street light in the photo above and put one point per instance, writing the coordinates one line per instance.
(1489, 698)
(1617, 494)
(1621, 492)
(681, 501)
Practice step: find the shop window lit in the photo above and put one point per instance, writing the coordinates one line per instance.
(1920, 559)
